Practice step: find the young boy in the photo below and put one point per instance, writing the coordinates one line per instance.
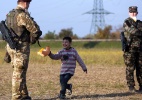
(68, 56)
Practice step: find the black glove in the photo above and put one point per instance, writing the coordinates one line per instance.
(35, 37)
(38, 34)
(33, 40)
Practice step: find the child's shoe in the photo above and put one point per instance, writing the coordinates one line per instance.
(140, 89)
(132, 89)
(70, 89)
(62, 96)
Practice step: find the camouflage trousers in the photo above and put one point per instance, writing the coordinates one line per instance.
(133, 61)
(19, 61)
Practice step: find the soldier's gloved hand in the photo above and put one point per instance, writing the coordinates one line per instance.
(35, 37)
(38, 33)
(126, 48)
(33, 40)
(7, 57)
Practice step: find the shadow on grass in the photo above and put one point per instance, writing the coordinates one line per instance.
(95, 96)
(90, 44)
(103, 95)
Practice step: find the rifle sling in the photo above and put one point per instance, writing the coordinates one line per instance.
(38, 43)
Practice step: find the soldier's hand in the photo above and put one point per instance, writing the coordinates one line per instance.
(33, 40)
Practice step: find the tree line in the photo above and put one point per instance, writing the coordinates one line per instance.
(106, 33)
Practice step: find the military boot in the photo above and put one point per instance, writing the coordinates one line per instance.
(7, 57)
(140, 89)
(132, 89)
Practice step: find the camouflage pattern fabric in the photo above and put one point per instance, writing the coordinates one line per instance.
(20, 56)
(19, 61)
(133, 61)
(24, 19)
(133, 58)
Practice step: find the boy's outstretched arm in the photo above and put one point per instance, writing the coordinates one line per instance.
(47, 52)
(81, 63)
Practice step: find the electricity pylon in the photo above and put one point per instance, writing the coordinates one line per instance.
(98, 13)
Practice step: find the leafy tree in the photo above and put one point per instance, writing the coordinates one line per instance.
(89, 36)
(116, 33)
(65, 32)
(75, 36)
(103, 33)
(50, 35)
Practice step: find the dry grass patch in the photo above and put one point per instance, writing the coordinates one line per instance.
(101, 83)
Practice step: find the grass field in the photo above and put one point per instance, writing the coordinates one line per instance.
(105, 79)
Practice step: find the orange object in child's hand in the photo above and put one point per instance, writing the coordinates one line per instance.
(40, 52)
(46, 51)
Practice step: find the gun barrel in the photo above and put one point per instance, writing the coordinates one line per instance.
(7, 35)
(123, 41)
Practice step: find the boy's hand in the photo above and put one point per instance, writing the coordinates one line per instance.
(46, 51)
(85, 71)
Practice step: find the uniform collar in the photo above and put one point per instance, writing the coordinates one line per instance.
(134, 18)
(21, 8)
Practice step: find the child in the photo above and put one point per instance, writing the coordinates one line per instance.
(68, 56)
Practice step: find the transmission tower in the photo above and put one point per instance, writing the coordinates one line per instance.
(98, 13)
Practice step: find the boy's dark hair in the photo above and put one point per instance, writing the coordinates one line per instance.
(68, 38)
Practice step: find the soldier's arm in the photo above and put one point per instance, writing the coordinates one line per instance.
(24, 19)
(139, 25)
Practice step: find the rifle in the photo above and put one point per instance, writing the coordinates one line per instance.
(8, 35)
(124, 42)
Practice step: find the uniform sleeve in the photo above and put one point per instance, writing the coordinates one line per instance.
(24, 19)
(80, 61)
(139, 25)
(128, 27)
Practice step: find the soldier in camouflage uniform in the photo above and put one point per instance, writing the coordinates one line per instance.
(133, 53)
(27, 32)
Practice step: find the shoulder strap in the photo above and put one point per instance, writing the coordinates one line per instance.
(128, 23)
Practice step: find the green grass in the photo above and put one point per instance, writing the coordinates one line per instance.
(82, 44)
(76, 44)
(91, 52)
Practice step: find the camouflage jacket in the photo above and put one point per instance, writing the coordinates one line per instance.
(22, 23)
(133, 33)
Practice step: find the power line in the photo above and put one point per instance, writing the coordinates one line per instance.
(98, 13)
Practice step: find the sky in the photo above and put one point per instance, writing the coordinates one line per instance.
(54, 15)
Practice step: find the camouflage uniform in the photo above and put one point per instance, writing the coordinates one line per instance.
(133, 57)
(24, 26)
